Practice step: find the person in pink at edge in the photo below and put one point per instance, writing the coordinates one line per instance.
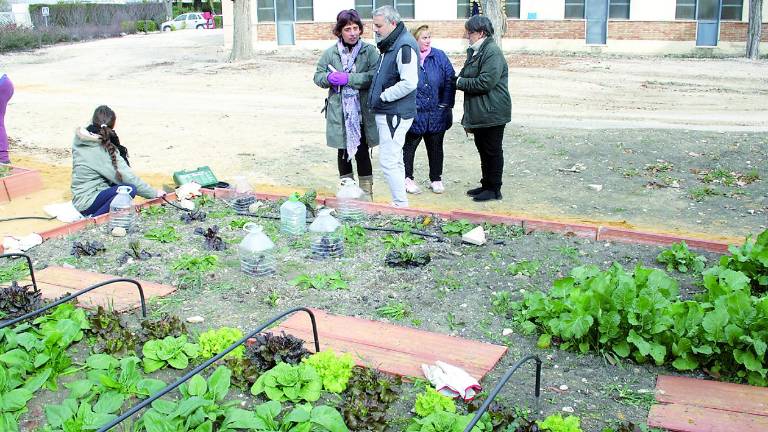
(209, 22)
(6, 92)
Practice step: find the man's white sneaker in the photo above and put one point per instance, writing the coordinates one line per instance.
(437, 187)
(411, 187)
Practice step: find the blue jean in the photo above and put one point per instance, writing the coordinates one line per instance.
(100, 205)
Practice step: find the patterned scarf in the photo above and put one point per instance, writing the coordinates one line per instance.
(350, 99)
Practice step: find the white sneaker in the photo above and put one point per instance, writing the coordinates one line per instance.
(437, 187)
(411, 187)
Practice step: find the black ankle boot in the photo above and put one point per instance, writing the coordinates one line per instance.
(475, 191)
(487, 195)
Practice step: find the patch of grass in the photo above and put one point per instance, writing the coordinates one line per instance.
(14, 272)
(501, 303)
(659, 167)
(394, 310)
(702, 193)
(219, 214)
(630, 172)
(525, 268)
(720, 175)
(153, 211)
(446, 284)
(625, 395)
(569, 252)
(322, 281)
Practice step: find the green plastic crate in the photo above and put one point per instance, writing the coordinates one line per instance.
(202, 176)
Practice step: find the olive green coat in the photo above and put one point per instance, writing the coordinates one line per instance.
(335, 132)
(484, 80)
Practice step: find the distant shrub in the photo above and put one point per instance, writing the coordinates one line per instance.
(146, 26)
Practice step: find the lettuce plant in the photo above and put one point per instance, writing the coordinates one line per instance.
(335, 370)
(367, 399)
(292, 383)
(556, 423)
(268, 350)
(215, 341)
(431, 401)
(171, 351)
(443, 421)
(305, 417)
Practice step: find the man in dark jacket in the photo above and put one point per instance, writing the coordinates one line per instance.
(392, 96)
(487, 104)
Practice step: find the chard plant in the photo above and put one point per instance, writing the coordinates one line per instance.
(678, 257)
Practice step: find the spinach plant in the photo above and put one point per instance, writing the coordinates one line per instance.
(678, 257)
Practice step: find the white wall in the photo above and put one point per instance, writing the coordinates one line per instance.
(21, 14)
(544, 9)
(435, 10)
(652, 10)
(326, 10)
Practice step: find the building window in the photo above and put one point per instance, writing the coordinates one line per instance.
(265, 10)
(463, 9)
(406, 8)
(574, 9)
(304, 10)
(686, 10)
(619, 10)
(732, 10)
(512, 8)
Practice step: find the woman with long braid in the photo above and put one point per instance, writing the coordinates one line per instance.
(100, 165)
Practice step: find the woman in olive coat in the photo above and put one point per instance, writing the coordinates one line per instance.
(487, 104)
(346, 69)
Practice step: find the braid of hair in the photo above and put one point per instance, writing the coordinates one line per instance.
(106, 143)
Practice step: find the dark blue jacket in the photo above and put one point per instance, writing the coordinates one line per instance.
(435, 95)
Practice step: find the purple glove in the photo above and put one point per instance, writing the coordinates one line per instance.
(338, 78)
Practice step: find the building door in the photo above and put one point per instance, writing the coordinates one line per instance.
(596, 14)
(285, 18)
(708, 22)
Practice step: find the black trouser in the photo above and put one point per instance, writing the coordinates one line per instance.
(434, 144)
(488, 142)
(362, 158)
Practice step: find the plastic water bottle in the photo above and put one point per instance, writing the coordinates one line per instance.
(327, 238)
(293, 216)
(256, 252)
(121, 211)
(242, 195)
(348, 194)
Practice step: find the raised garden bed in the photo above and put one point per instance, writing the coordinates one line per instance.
(16, 182)
(464, 290)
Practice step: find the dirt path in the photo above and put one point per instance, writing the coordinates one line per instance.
(181, 106)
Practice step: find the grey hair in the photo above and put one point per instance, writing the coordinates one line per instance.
(479, 23)
(389, 13)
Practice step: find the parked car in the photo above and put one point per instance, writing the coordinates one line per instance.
(192, 20)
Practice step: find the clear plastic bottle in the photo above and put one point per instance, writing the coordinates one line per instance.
(256, 252)
(349, 194)
(293, 216)
(327, 236)
(121, 211)
(242, 196)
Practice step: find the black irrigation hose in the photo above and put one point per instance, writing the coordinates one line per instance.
(4, 324)
(27, 217)
(174, 205)
(195, 371)
(29, 264)
(537, 391)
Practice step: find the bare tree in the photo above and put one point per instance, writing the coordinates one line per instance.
(755, 29)
(242, 42)
(494, 10)
(168, 9)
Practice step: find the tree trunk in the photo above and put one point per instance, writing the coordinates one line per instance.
(755, 29)
(493, 9)
(168, 9)
(242, 42)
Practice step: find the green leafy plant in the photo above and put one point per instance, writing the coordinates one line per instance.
(166, 325)
(238, 223)
(310, 201)
(305, 417)
(393, 310)
(14, 271)
(221, 213)
(110, 332)
(135, 253)
(170, 351)
(407, 259)
(153, 211)
(244, 372)
(71, 416)
(701, 193)
(268, 350)
(456, 227)
(354, 235)
(17, 300)
(401, 241)
(678, 257)
(166, 234)
(442, 421)
(334, 370)
(203, 201)
(321, 281)
(113, 381)
(751, 259)
(431, 401)
(367, 399)
(193, 268)
(286, 382)
(556, 423)
(215, 341)
(501, 303)
(525, 268)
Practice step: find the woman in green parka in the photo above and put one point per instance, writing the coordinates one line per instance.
(346, 69)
